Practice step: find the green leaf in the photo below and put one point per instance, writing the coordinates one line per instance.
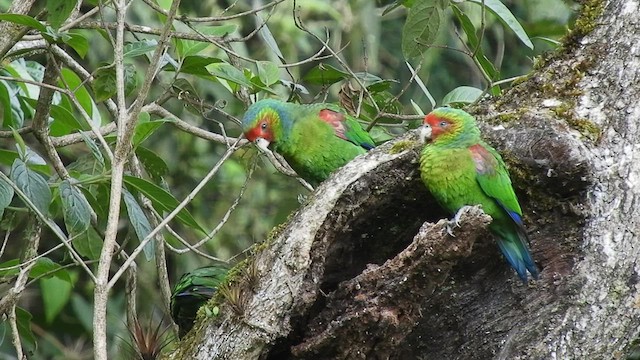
(84, 98)
(24, 20)
(138, 48)
(504, 14)
(228, 72)
(88, 244)
(197, 65)
(55, 295)
(58, 11)
(13, 114)
(95, 151)
(78, 42)
(64, 122)
(325, 74)
(474, 43)
(153, 164)
(144, 129)
(421, 28)
(104, 84)
(83, 312)
(75, 208)
(161, 199)
(268, 72)
(9, 268)
(32, 184)
(140, 223)
(44, 265)
(462, 95)
(23, 320)
(268, 38)
(6, 194)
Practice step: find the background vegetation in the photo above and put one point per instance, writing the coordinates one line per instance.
(307, 51)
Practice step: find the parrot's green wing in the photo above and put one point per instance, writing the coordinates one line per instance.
(346, 127)
(493, 178)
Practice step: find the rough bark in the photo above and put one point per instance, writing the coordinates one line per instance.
(570, 135)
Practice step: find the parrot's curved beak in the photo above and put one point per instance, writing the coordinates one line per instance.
(425, 133)
(262, 144)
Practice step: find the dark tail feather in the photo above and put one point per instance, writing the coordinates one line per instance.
(515, 249)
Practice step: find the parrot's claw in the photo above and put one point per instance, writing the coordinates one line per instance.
(302, 199)
(455, 222)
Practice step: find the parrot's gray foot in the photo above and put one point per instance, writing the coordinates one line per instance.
(455, 222)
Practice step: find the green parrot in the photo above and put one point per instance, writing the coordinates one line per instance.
(460, 169)
(315, 139)
(192, 291)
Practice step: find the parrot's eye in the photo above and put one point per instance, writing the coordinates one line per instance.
(263, 125)
(444, 123)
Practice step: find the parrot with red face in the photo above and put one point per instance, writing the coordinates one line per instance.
(315, 139)
(460, 169)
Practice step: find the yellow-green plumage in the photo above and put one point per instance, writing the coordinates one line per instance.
(460, 169)
(315, 139)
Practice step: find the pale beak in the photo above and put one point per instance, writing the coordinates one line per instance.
(262, 144)
(425, 133)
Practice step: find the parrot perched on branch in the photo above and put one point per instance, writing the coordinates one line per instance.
(460, 169)
(315, 139)
(192, 291)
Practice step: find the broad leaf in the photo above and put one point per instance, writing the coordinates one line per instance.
(140, 223)
(75, 208)
(268, 72)
(474, 42)
(138, 48)
(32, 184)
(6, 194)
(104, 84)
(47, 268)
(55, 295)
(78, 42)
(84, 98)
(421, 28)
(325, 74)
(88, 244)
(24, 20)
(462, 95)
(161, 199)
(152, 163)
(58, 11)
(23, 319)
(197, 65)
(228, 72)
(505, 15)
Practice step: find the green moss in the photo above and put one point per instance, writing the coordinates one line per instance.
(401, 146)
(585, 23)
(585, 127)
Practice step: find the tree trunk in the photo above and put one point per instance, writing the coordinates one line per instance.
(349, 278)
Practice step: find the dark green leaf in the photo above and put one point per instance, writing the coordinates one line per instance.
(95, 150)
(462, 95)
(7, 156)
(140, 223)
(161, 199)
(138, 48)
(75, 207)
(58, 11)
(47, 268)
(78, 42)
(23, 319)
(268, 38)
(88, 244)
(197, 65)
(104, 84)
(64, 121)
(32, 184)
(153, 164)
(146, 129)
(24, 20)
(504, 14)
(421, 28)
(325, 74)
(268, 72)
(474, 43)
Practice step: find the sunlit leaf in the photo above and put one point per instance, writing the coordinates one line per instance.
(228, 72)
(140, 223)
(84, 98)
(462, 95)
(55, 295)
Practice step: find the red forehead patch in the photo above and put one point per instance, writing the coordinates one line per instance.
(431, 119)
